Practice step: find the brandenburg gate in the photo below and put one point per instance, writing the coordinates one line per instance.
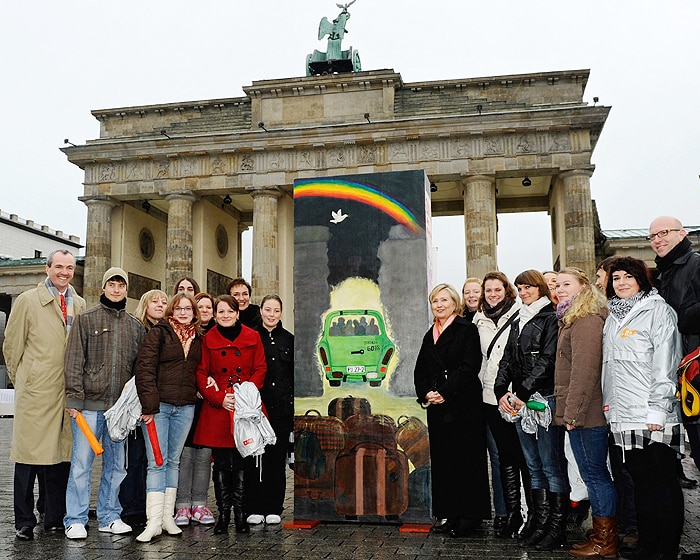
(171, 187)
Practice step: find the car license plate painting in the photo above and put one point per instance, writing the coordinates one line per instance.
(361, 278)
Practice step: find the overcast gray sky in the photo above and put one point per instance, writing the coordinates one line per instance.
(60, 60)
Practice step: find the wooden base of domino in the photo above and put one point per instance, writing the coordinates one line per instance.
(415, 528)
(302, 524)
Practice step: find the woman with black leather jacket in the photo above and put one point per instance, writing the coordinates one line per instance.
(527, 367)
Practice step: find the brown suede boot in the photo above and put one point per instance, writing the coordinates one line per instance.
(603, 542)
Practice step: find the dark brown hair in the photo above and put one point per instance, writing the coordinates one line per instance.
(636, 268)
(191, 281)
(503, 279)
(239, 282)
(535, 278)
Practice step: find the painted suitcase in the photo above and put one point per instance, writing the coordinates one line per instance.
(420, 491)
(343, 407)
(313, 473)
(370, 428)
(412, 436)
(371, 480)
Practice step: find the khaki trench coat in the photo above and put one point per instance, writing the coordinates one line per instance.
(35, 339)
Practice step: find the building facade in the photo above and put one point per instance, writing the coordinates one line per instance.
(169, 188)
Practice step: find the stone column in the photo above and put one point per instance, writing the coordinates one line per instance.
(480, 224)
(239, 258)
(266, 278)
(178, 252)
(98, 245)
(579, 241)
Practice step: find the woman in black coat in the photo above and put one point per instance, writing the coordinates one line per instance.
(527, 367)
(447, 384)
(265, 494)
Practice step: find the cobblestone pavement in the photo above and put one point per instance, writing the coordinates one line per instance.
(332, 541)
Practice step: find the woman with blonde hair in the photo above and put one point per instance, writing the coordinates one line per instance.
(582, 311)
(151, 307)
(446, 379)
(132, 492)
(471, 293)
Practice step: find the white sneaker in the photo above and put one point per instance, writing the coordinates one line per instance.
(273, 519)
(76, 531)
(116, 527)
(255, 519)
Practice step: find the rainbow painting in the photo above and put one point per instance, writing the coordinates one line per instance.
(347, 190)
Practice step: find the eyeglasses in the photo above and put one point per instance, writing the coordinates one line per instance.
(182, 309)
(660, 234)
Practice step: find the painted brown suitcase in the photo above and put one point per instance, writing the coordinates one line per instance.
(371, 480)
(314, 475)
(343, 407)
(412, 436)
(370, 428)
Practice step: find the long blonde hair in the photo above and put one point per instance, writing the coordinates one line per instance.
(589, 300)
(142, 308)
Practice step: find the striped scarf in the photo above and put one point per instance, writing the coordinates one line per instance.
(69, 302)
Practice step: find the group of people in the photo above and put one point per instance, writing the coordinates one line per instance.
(592, 362)
(186, 355)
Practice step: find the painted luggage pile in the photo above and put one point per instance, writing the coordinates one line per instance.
(371, 480)
(412, 436)
(371, 474)
(344, 407)
(317, 441)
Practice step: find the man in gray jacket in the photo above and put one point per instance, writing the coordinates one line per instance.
(100, 358)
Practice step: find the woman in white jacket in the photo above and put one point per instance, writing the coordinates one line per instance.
(498, 308)
(641, 351)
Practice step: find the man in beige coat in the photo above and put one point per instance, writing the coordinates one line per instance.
(34, 348)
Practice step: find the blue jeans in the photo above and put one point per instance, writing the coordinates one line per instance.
(590, 447)
(544, 456)
(172, 425)
(113, 472)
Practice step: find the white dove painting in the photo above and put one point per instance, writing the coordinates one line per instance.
(338, 216)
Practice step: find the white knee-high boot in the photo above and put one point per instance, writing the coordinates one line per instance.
(154, 515)
(168, 511)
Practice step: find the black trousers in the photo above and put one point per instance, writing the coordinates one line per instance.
(132, 492)
(55, 481)
(658, 496)
(266, 496)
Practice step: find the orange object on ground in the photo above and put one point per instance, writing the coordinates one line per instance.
(87, 432)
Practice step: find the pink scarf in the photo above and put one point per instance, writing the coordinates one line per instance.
(437, 331)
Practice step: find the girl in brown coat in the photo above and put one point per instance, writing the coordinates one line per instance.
(577, 385)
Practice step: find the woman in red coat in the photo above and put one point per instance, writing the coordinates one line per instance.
(230, 352)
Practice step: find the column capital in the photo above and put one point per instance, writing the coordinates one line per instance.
(266, 191)
(584, 172)
(179, 195)
(468, 178)
(99, 199)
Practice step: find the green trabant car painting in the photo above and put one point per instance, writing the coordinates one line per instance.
(355, 347)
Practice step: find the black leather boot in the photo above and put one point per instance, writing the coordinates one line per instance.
(529, 527)
(239, 514)
(555, 536)
(510, 480)
(223, 487)
(540, 514)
